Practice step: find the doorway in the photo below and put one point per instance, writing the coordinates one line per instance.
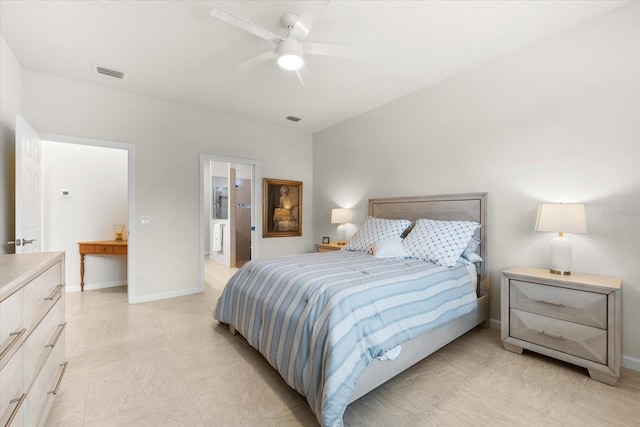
(84, 199)
(61, 219)
(228, 210)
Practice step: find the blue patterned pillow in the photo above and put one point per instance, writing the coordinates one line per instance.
(374, 230)
(440, 242)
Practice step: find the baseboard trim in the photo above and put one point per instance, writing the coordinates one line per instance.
(165, 295)
(631, 363)
(96, 286)
(220, 261)
(494, 324)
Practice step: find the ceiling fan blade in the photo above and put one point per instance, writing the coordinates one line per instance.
(332, 50)
(307, 19)
(300, 77)
(242, 23)
(264, 57)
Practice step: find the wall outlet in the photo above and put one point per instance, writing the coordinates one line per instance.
(179, 264)
(101, 260)
(145, 220)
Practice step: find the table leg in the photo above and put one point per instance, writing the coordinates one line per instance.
(81, 272)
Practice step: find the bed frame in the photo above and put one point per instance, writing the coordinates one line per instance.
(459, 207)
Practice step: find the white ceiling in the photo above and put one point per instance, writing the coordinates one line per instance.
(175, 50)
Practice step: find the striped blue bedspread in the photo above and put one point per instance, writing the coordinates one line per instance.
(321, 318)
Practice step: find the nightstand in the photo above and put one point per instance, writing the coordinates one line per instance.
(327, 247)
(575, 318)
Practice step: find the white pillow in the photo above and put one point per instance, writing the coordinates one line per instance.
(472, 259)
(389, 248)
(440, 242)
(374, 230)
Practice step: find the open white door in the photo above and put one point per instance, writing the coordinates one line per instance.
(28, 236)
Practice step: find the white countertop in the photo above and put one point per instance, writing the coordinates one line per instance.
(17, 270)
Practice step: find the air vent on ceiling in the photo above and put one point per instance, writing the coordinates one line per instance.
(294, 119)
(109, 72)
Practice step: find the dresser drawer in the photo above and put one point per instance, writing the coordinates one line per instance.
(99, 249)
(12, 391)
(86, 249)
(33, 306)
(40, 293)
(41, 395)
(119, 250)
(579, 340)
(40, 343)
(12, 330)
(587, 308)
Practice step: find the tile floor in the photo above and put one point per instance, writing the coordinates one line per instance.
(168, 363)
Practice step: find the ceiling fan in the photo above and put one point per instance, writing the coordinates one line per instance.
(290, 49)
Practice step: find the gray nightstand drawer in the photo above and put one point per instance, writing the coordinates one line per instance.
(587, 308)
(572, 338)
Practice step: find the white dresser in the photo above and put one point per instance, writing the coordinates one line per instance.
(575, 318)
(32, 322)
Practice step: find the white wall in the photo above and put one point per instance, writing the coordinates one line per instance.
(558, 121)
(97, 180)
(168, 139)
(10, 107)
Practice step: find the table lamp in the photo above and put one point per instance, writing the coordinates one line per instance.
(340, 216)
(561, 218)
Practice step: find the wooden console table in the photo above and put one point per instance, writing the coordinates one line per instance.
(102, 247)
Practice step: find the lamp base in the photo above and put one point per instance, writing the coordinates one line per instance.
(561, 254)
(341, 240)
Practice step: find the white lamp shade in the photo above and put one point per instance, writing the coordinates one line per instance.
(562, 218)
(340, 216)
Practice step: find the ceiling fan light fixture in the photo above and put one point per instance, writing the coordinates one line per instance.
(290, 61)
(290, 54)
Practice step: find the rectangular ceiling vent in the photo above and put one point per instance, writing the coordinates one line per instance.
(294, 119)
(109, 72)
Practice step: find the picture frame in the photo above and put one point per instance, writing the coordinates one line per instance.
(325, 240)
(281, 208)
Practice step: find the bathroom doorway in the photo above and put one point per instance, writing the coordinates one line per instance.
(228, 210)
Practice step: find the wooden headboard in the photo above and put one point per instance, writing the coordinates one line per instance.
(452, 207)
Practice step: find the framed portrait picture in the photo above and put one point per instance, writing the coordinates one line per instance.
(325, 240)
(282, 208)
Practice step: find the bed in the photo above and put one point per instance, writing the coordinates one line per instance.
(332, 324)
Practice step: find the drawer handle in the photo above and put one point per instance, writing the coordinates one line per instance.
(558, 337)
(16, 337)
(550, 303)
(20, 401)
(52, 295)
(58, 334)
(55, 390)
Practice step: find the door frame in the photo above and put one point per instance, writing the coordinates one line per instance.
(131, 226)
(256, 195)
